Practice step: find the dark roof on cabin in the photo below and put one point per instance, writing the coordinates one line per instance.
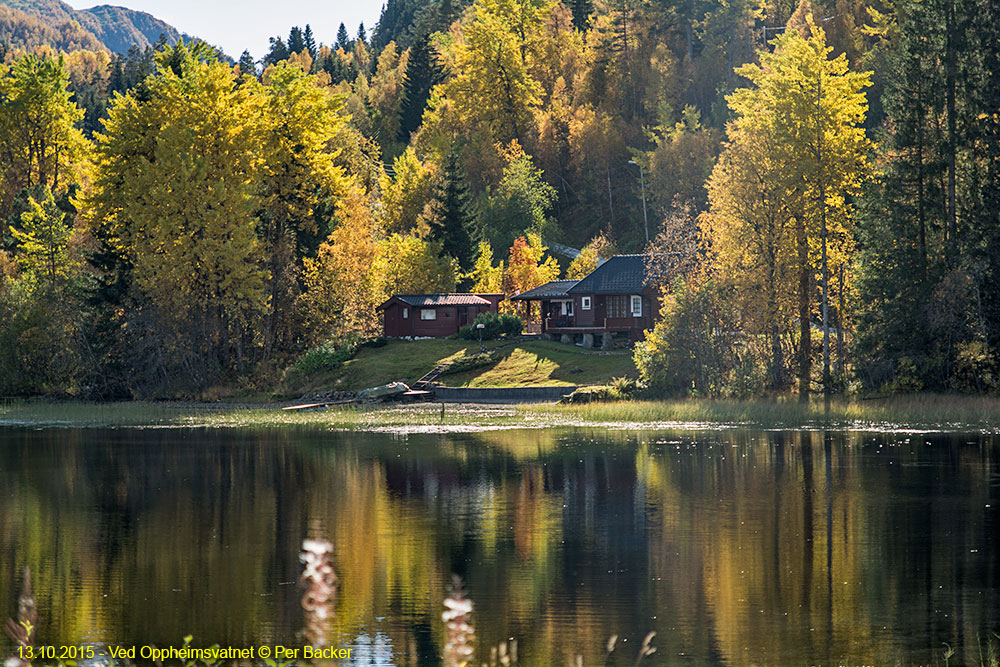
(554, 289)
(621, 274)
(432, 300)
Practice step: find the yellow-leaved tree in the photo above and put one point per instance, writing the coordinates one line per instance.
(358, 267)
(176, 195)
(492, 81)
(40, 143)
(300, 183)
(780, 195)
(527, 268)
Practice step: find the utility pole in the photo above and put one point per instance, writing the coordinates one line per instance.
(642, 184)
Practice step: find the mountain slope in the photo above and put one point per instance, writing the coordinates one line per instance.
(120, 28)
(21, 30)
(117, 28)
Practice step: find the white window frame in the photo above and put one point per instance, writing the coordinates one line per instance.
(636, 305)
(585, 303)
(406, 313)
(428, 314)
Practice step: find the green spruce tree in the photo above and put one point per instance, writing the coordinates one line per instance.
(343, 39)
(454, 216)
(310, 41)
(582, 10)
(296, 40)
(422, 73)
(247, 64)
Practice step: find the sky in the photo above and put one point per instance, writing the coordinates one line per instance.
(246, 24)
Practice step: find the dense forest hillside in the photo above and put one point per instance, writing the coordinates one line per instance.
(21, 30)
(819, 182)
(116, 28)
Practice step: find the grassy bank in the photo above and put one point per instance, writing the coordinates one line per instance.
(926, 411)
(524, 364)
(159, 415)
(544, 363)
(922, 412)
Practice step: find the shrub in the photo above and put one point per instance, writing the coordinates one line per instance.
(696, 349)
(471, 362)
(325, 357)
(975, 368)
(623, 387)
(494, 327)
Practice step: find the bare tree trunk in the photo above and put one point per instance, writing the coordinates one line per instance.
(950, 82)
(805, 335)
(611, 204)
(777, 359)
(825, 277)
(921, 205)
(840, 323)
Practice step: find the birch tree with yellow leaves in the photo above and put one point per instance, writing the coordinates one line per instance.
(781, 194)
(176, 190)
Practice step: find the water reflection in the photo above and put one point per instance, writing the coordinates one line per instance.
(734, 547)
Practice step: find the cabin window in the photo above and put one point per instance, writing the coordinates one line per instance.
(585, 303)
(636, 305)
(567, 307)
(616, 305)
(428, 314)
(406, 313)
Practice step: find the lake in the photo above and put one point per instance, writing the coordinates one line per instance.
(734, 546)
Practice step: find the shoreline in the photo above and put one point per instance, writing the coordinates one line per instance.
(912, 413)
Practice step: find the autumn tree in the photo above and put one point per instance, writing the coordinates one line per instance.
(751, 234)
(597, 250)
(527, 267)
(40, 143)
(341, 290)
(491, 81)
(176, 192)
(486, 278)
(520, 202)
(299, 182)
(813, 108)
(43, 239)
(408, 195)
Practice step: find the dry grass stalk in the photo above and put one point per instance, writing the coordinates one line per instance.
(503, 655)
(22, 631)
(461, 638)
(645, 650)
(320, 583)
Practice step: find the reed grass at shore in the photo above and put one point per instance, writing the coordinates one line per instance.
(909, 411)
(928, 412)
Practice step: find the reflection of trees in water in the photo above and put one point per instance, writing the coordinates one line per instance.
(562, 538)
(798, 547)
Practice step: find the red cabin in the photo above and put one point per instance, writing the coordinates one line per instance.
(434, 315)
(617, 300)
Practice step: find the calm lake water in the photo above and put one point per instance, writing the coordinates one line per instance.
(736, 547)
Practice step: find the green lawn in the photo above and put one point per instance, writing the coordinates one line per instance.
(526, 364)
(546, 363)
(406, 361)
